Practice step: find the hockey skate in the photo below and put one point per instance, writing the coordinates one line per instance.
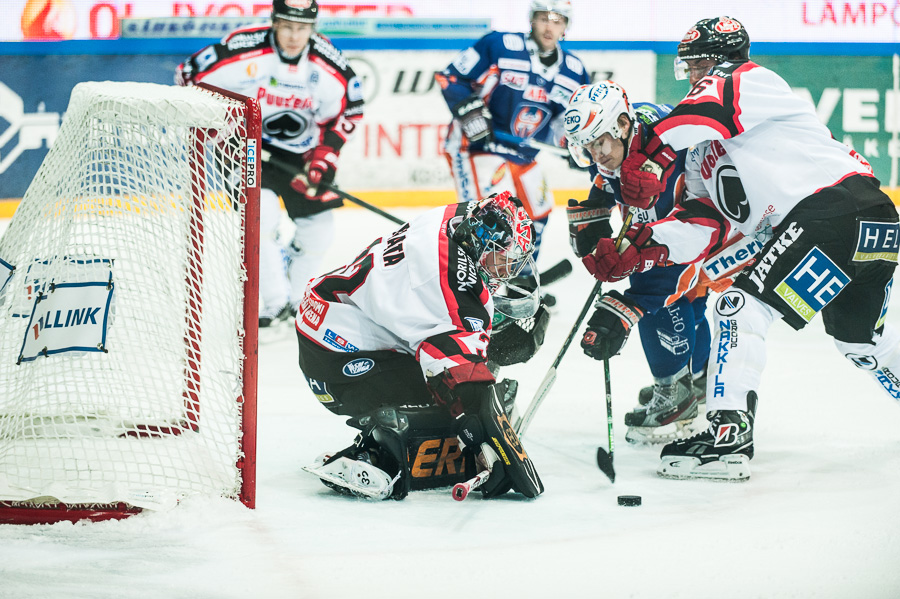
(698, 383)
(270, 317)
(722, 452)
(668, 415)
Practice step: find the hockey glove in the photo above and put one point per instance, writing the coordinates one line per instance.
(484, 429)
(321, 166)
(474, 119)
(638, 253)
(646, 171)
(588, 222)
(608, 328)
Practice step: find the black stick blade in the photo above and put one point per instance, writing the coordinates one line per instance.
(605, 463)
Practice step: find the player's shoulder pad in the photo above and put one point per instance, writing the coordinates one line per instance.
(322, 47)
(246, 38)
(573, 63)
(503, 42)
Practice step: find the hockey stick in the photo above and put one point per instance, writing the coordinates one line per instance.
(550, 378)
(292, 170)
(604, 459)
(461, 490)
(532, 143)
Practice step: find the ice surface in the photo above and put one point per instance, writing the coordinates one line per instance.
(818, 518)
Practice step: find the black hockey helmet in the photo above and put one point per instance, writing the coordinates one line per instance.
(720, 38)
(299, 11)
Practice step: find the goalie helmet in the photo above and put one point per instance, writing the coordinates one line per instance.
(592, 111)
(299, 11)
(721, 39)
(560, 7)
(499, 236)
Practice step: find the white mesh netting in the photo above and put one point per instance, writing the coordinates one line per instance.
(121, 323)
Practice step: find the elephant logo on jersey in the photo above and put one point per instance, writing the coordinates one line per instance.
(529, 120)
(285, 125)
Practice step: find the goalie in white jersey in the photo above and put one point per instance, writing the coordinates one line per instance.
(400, 340)
(834, 248)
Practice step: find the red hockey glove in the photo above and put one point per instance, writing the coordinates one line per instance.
(321, 166)
(646, 171)
(608, 328)
(638, 253)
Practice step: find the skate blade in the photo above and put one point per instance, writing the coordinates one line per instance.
(654, 435)
(729, 468)
(326, 473)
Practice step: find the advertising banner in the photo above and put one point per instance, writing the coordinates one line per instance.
(637, 20)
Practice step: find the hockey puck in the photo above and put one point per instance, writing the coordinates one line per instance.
(630, 500)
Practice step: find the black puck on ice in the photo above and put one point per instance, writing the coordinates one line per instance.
(630, 500)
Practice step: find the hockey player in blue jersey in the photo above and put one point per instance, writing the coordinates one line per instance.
(668, 306)
(504, 91)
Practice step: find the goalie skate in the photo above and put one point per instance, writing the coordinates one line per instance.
(353, 477)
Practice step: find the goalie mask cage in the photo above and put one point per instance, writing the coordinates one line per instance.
(128, 308)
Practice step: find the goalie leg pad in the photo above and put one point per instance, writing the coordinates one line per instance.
(490, 433)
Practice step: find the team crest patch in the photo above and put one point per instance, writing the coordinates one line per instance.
(476, 323)
(358, 367)
(814, 282)
(877, 241)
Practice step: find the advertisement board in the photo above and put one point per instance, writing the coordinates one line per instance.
(637, 20)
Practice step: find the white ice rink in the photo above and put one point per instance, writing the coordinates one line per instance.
(818, 518)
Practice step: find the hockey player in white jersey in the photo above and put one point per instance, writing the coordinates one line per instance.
(311, 103)
(400, 340)
(834, 248)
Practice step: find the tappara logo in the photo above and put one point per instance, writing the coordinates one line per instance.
(48, 20)
(528, 121)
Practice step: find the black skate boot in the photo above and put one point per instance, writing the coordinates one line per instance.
(668, 414)
(721, 452)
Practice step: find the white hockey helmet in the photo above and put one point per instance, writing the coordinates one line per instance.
(592, 111)
(560, 7)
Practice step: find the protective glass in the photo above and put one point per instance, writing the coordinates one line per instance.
(682, 70)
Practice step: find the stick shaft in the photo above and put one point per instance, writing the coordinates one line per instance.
(461, 490)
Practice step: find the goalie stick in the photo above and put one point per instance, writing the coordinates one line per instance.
(461, 490)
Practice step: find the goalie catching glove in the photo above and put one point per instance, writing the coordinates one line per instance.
(474, 119)
(610, 325)
(637, 253)
(645, 171)
(483, 428)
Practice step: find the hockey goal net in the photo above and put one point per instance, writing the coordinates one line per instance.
(128, 308)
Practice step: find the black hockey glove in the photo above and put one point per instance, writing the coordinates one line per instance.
(588, 223)
(516, 341)
(474, 119)
(608, 328)
(485, 430)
